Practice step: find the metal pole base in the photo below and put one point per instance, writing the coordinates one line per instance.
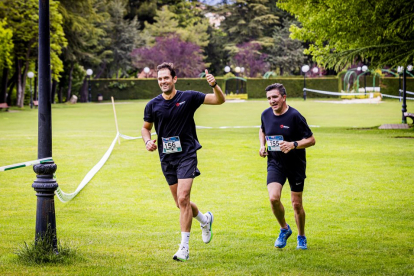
(45, 186)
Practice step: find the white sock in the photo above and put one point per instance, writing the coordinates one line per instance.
(201, 218)
(185, 238)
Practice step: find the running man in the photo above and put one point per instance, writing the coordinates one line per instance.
(287, 135)
(172, 113)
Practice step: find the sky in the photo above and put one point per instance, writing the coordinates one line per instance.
(211, 2)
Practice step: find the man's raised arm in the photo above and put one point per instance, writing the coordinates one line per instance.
(218, 96)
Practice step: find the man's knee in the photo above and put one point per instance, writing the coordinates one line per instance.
(274, 199)
(297, 206)
(183, 200)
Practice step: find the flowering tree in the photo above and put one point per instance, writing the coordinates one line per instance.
(186, 56)
(250, 57)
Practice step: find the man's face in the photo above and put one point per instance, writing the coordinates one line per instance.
(276, 100)
(165, 81)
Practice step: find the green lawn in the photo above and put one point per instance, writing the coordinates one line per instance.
(358, 195)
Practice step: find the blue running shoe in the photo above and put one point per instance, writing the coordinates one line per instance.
(302, 243)
(283, 236)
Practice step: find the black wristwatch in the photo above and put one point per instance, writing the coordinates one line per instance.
(214, 85)
(295, 144)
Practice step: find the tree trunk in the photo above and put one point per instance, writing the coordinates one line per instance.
(19, 92)
(35, 83)
(281, 71)
(101, 71)
(12, 83)
(3, 91)
(21, 81)
(84, 91)
(60, 94)
(70, 81)
(53, 92)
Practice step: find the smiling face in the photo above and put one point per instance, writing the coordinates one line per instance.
(276, 101)
(166, 82)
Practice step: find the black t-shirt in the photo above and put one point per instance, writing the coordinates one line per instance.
(175, 117)
(293, 127)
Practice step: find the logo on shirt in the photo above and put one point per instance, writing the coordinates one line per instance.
(282, 126)
(178, 104)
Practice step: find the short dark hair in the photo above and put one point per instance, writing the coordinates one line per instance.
(167, 65)
(277, 86)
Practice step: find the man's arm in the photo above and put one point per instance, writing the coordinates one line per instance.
(262, 139)
(150, 145)
(218, 96)
(286, 146)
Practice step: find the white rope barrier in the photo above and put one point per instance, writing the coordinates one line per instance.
(396, 97)
(25, 164)
(64, 197)
(355, 94)
(408, 92)
(332, 93)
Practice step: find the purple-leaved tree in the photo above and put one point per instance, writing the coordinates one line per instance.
(186, 56)
(250, 57)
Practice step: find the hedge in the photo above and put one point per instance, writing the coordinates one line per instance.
(126, 89)
(294, 86)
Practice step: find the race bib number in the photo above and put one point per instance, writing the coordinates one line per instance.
(171, 145)
(273, 142)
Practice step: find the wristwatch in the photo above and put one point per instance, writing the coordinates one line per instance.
(214, 85)
(295, 144)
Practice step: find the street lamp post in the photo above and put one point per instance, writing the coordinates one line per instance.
(404, 97)
(31, 75)
(89, 72)
(242, 84)
(227, 69)
(305, 69)
(399, 70)
(237, 70)
(146, 71)
(364, 69)
(45, 185)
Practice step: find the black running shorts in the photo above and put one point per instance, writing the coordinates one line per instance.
(182, 168)
(275, 174)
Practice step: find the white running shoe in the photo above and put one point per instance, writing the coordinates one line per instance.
(183, 254)
(207, 232)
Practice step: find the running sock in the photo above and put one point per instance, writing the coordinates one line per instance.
(185, 238)
(201, 218)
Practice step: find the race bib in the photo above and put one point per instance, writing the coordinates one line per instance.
(273, 142)
(171, 145)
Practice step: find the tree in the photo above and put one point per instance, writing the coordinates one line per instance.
(6, 50)
(250, 57)
(186, 56)
(84, 33)
(286, 53)
(22, 19)
(166, 24)
(124, 36)
(216, 52)
(341, 33)
(249, 20)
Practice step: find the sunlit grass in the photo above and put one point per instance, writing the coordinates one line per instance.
(358, 194)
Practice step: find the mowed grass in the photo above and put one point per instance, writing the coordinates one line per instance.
(358, 195)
